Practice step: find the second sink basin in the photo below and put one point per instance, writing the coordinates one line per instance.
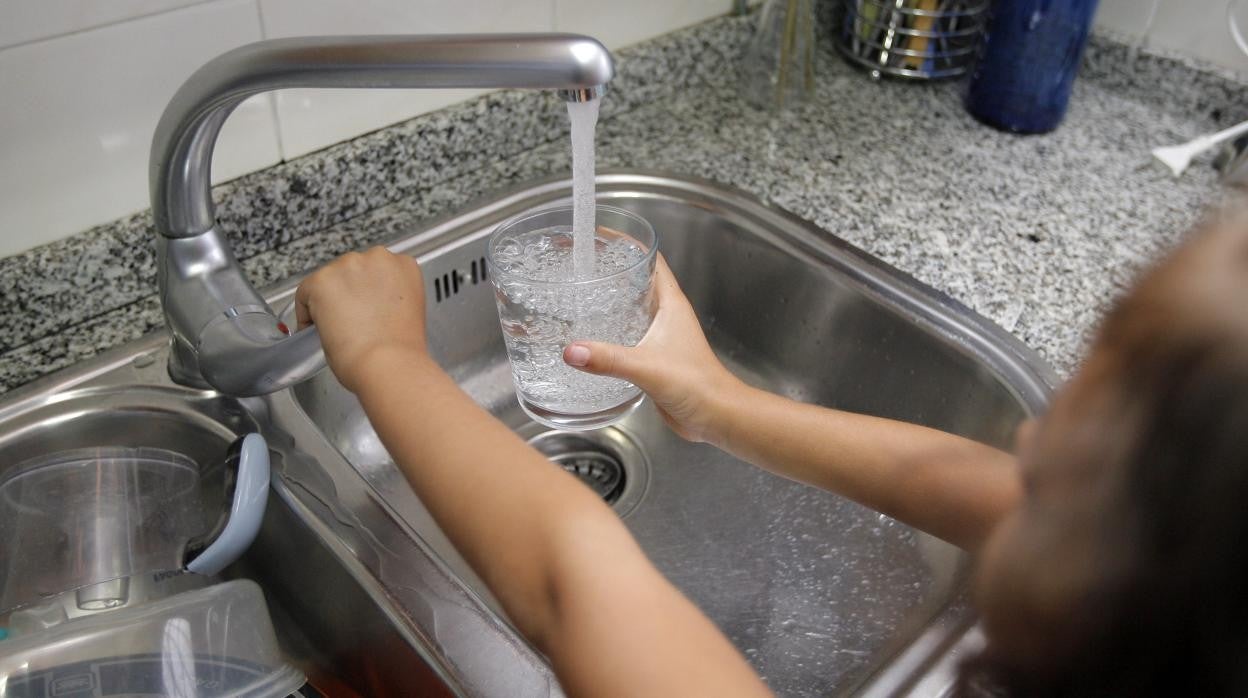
(821, 595)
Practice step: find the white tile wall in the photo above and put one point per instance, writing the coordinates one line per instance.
(1194, 27)
(313, 119)
(78, 112)
(83, 82)
(31, 20)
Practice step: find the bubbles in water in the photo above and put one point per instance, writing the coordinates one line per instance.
(543, 308)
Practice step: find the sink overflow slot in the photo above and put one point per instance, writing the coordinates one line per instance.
(448, 284)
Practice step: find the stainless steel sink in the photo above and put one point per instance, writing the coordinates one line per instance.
(821, 595)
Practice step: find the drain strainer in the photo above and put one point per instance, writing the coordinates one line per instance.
(598, 469)
(606, 461)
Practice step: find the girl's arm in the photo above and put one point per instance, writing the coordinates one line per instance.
(951, 487)
(562, 564)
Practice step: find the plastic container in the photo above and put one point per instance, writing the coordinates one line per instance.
(1031, 53)
(211, 642)
(99, 520)
(92, 515)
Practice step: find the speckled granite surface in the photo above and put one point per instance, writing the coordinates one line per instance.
(1037, 233)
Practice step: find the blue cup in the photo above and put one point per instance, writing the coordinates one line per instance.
(1031, 53)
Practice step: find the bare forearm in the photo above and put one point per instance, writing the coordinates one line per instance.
(951, 487)
(496, 499)
(565, 568)
(563, 565)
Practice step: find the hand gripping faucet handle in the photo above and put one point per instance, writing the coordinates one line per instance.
(224, 335)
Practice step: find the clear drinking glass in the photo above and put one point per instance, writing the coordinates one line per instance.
(543, 305)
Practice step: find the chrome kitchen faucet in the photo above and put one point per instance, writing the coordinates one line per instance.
(224, 335)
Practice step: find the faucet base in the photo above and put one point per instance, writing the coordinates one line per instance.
(184, 366)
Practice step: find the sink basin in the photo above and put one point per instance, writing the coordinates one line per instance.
(821, 595)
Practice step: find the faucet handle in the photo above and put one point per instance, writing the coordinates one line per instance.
(224, 335)
(247, 352)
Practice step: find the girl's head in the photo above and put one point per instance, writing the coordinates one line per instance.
(1125, 570)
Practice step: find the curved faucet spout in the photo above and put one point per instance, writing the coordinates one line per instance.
(224, 334)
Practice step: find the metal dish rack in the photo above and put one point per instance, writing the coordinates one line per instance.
(916, 39)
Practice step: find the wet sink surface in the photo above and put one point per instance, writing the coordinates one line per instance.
(823, 596)
(820, 594)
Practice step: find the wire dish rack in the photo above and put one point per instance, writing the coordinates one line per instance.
(917, 39)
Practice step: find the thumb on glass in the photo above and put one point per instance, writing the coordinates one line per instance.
(603, 359)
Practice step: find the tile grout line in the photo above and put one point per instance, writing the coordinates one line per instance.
(106, 25)
(271, 96)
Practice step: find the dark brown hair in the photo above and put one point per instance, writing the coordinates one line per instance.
(1126, 570)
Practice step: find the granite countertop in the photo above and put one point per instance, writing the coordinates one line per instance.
(1037, 233)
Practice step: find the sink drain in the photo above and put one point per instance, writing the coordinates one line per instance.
(589, 462)
(606, 461)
